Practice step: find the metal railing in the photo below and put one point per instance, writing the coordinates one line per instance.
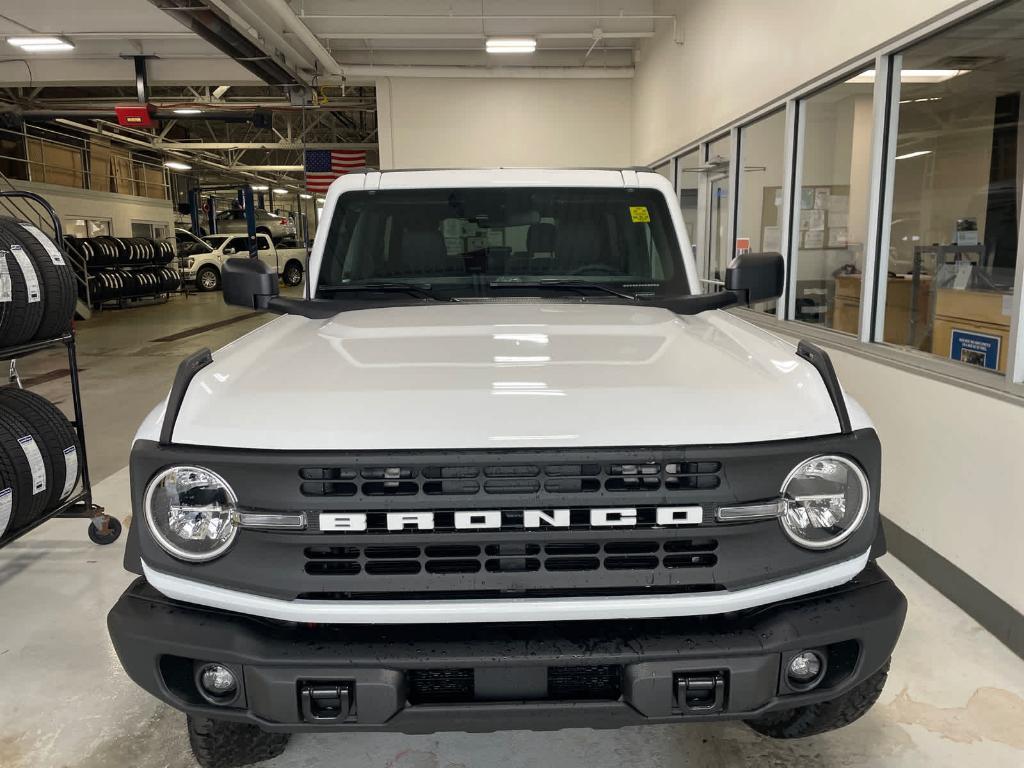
(23, 209)
(33, 166)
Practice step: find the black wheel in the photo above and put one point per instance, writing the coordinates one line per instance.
(221, 744)
(292, 273)
(108, 536)
(207, 279)
(56, 437)
(826, 716)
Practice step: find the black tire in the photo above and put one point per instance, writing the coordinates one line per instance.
(21, 315)
(55, 275)
(826, 716)
(292, 274)
(213, 280)
(55, 435)
(9, 493)
(222, 744)
(29, 503)
(108, 536)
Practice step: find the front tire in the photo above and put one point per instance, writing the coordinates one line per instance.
(207, 279)
(223, 744)
(292, 274)
(826, 716)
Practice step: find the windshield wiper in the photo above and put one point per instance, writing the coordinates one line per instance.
(422, 290)
(576, 285)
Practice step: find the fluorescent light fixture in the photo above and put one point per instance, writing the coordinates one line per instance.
(188, 111)
(909, 155)
(177, 165)
(511, 45)
(260, 187)
(918, 101)
(41, 43)
(913, 75)
(280, 191)
(306, 196)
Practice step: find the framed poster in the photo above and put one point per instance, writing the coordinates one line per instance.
(980, 349)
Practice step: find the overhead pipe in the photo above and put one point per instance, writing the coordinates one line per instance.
(370, 71)
(228, 40)
(287, 16)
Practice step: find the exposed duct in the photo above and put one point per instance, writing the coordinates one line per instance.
(219, 33)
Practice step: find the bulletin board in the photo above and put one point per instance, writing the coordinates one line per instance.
(824, 216)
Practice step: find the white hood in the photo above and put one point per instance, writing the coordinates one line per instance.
(504, 375)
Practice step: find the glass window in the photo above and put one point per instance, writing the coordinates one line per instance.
(758, 226)
(468, 242)
(717, 250)
(832, 205)
(688, 183)
(957, 191)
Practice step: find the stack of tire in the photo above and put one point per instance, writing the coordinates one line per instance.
(39, 467)
(37, 285)
(125, 267)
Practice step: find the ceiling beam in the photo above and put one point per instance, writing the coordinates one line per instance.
(189, 146)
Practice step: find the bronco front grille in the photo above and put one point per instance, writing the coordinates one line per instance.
(488, 480)
(520, 556)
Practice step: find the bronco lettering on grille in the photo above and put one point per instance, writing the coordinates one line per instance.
(623, 517)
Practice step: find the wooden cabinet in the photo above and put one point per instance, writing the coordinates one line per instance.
(898, 311)
(973, 312)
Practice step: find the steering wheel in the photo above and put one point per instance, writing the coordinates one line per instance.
(596, 269)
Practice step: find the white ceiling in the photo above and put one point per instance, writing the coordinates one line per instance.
(359, 35)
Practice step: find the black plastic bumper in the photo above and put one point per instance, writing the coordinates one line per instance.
(423, 678)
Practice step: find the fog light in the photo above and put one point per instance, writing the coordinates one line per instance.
(218, 681)
(804, 668)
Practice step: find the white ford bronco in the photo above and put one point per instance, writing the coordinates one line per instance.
(539, 480)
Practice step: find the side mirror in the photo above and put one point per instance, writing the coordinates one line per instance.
(229, 251)
(248, 283)
(756, 276)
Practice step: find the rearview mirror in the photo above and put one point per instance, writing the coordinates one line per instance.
(756, 276)
(248, 283)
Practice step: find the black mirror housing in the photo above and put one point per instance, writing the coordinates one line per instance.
(756, 276)
(248, 283)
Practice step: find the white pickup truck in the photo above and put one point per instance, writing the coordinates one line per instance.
(205, 269)
(537, 480)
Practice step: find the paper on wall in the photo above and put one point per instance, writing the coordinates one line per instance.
(771, 239)
(821, 196)
(814, 239)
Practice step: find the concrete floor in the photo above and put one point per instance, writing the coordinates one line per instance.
(955, 695)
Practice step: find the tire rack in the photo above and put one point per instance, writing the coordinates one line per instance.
(103, 529)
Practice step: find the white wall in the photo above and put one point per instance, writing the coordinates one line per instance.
(120, 210)
(486, 122)
(737, 55)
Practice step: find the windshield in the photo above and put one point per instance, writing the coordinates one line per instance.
(215, 241)
(471, 242)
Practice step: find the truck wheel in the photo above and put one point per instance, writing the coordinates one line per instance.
(207, 279)
(222, 744)
(826, 716)
(292, 273)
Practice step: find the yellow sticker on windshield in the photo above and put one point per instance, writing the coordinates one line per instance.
(639, 214)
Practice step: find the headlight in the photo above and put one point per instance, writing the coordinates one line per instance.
(191, 512)
(824, 501)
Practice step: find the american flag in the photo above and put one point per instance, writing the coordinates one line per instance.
(325, 165)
